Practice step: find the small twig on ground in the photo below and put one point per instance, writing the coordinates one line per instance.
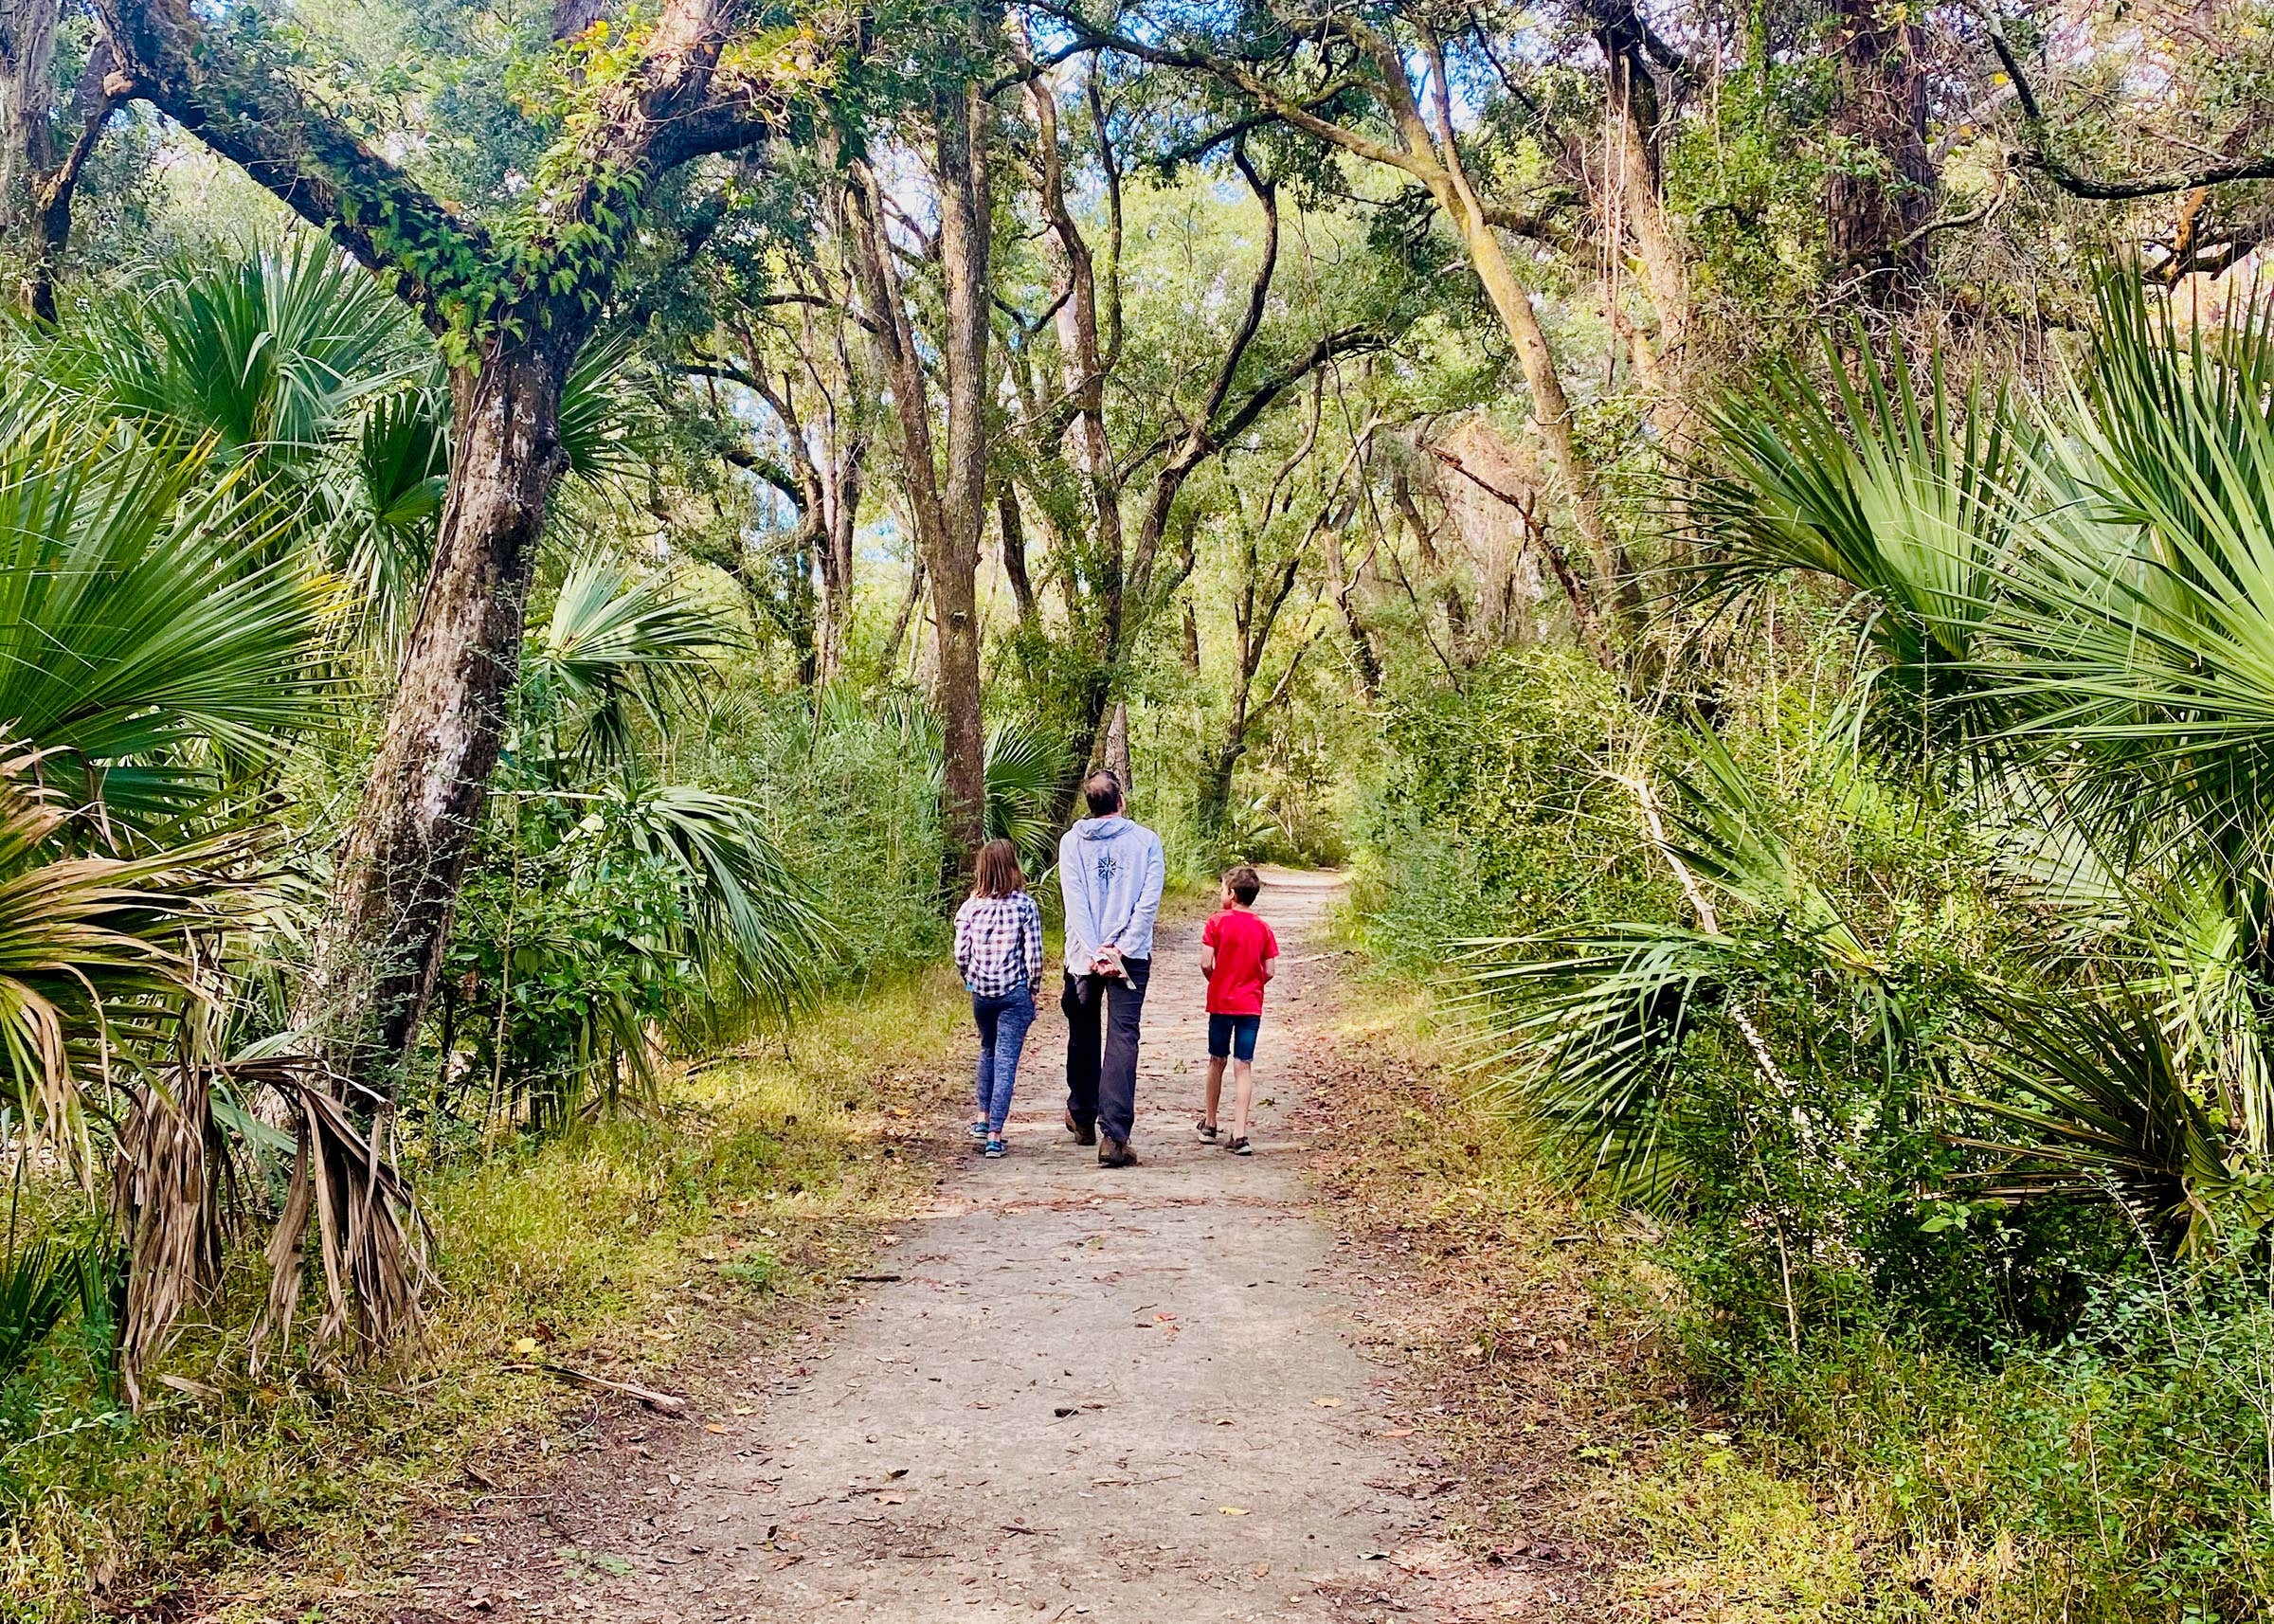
(668, 1403)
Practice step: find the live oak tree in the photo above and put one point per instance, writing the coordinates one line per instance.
(1347, 78)
(1105, 452)
(511, 299)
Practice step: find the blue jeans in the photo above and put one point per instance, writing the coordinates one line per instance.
(1003, 1023)
(1232, 1037)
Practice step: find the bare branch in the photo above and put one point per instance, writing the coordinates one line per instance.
(2037, 157)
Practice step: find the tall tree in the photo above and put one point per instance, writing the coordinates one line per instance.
(512, 302)
(1129, 452)
(1343, 79)
(946, 486)
(1879, 192)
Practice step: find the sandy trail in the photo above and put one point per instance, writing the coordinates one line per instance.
(1079, 1393)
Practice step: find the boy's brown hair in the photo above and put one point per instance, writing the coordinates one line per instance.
(996, 871)
(1244, 883)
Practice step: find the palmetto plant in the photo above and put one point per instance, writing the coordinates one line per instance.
(41, 1282)
(617, 645)
(2094, 1098)
(148, 662)
(2073, 619)
(265, 357)
(1025, 772)
(755, 928)
(1894, 484)
(291, 361)
(1583, 1028)
(94, 952)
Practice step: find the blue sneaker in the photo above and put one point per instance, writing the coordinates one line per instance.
(979, 1130)
(995, 1147)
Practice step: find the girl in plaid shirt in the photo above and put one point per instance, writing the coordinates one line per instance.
(999, 949)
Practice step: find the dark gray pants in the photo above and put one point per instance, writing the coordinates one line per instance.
(1104, 1011)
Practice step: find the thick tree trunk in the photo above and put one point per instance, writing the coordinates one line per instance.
(1633, 119)
(26, 103)
(1875, 208)
(399, 871)
(966, 220)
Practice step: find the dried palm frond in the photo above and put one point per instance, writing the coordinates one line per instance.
(370, 1235)
(175, 1195)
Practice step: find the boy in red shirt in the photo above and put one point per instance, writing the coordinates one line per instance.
(1239, 953)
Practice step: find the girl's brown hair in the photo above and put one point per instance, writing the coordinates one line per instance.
(996, 873)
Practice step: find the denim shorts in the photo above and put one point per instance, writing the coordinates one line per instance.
(1233, 1035)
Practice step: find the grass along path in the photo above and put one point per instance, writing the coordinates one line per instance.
(1072, 1393)
(632, 1249)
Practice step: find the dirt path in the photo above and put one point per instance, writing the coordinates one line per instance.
(1115, 1395)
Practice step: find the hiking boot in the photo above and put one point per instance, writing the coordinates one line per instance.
(1206, 1131)
(1084, 1133)
(1116, 1153)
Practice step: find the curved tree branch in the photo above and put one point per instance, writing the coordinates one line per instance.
(2038, 157)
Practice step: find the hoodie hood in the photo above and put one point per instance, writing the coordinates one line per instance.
(1112, 828)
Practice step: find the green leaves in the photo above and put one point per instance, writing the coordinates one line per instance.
(263, 357)
(40, 1282)
(1912, 493)
(758, 932)
(140, 651)
(2099, 1102)
(615, 644)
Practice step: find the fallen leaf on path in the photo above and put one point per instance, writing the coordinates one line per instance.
(1262, 1569)
(1233, 1511)
(1327, 1403)
(1399, 1432)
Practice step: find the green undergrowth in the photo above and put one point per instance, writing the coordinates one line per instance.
(628, 1247)
(2115, 1471)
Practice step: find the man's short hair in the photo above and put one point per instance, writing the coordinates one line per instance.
(1244, 883)
(1102, 790)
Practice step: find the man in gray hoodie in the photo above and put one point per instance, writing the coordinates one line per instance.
(1111, 872)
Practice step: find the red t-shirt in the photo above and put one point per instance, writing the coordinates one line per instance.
(1242, 943)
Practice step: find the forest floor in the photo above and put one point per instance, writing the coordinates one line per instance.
(1204, 1389)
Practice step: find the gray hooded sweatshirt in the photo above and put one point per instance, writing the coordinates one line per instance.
(1110, 872)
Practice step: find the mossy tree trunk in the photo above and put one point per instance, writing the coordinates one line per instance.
(511, 321)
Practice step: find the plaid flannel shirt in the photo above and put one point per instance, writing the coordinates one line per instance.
(999, 944)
